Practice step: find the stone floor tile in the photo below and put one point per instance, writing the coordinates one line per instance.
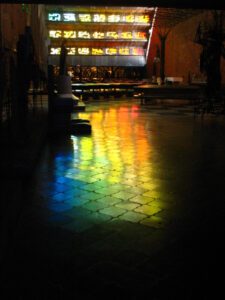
(124, 195)
(59, 219)
(107, 191)
(113, 211)
(131, 182)
(142, 199)
(60, 197)
(78, 225)
(127, 205)
(59, 207)
(99, 218)
(95, 205)
(133, 216)
(75, 212)
(101, 184)
(109, 200)
(120, 186)
(160, 195)
(136, 190)
(148, 209)
(91, 196)
(90, 187)
(162, 204)
(77, 201)
(148, 185)
(154, 221)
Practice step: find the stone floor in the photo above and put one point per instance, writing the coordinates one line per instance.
(134, 210)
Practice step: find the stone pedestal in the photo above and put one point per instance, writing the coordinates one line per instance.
(65, 100)
(63, 104)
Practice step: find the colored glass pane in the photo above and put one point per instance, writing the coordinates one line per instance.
(69, 17)
(124, 51)
(139, 35)
(112, 34)
(84, 35)
(83, 51)
(97, 51)
(71, 51)
(55, 51)
(129, 18)
(114, 18)
(111, 51)
(99, 18)
(98, 35)
(84, 17)
(142, 19)
(138, 51)
(55, 34)
(126, 35)
(69, 34)
(54, 17)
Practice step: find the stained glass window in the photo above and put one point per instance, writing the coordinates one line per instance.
(54, 17)
(69, 17)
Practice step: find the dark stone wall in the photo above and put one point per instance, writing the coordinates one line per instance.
(182, 53)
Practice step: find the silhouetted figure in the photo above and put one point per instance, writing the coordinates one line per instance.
(211, 37)
(25, 61)
(62, 63)
(210, 65)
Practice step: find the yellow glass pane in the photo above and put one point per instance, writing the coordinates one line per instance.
(97, 51)
(111, 51)
(112, 34)
(55, 51)
(126, 35)
(114, 18)
(124, 51)
(69, 34)
(83, 51)
(142, 19)
(129, 18)
(83, 35)
(72, 51)
(140, 35)
(84, 17)
(99, 18)
(98, 35)
(55, 34)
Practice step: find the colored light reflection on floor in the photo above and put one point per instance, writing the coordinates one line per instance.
(110, 177)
